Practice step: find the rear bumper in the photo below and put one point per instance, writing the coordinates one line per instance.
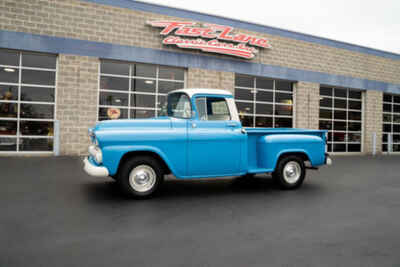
(93, 170)
(328, 159)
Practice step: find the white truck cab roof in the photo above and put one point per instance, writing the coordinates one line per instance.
(206, 91)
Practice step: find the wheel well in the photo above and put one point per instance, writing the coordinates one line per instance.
(302, 155)
(128, 155)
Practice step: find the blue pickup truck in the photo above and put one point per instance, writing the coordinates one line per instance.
(200, 136)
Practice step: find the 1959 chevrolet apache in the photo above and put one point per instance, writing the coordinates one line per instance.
(201, 136)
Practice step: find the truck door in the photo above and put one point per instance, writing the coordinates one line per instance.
(214, 139)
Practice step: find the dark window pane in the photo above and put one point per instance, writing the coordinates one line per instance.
(38, 77)
(247, 121)
(396, 138)
(10, 58)
(396, 99)
(114, 83)
(143, 70)
(264, 83)
(396, 108)
(339, 147)
(340, 115)
(8, 92)
(171, 73)
(387, 98)
(328, 91)
(244, 81)
(39, 94)
(396, 128)
(340, 92)
(244, 107)
(112, 113)
(112, 67)
(8, 144)
(384, 138)
(339, 136)
(262, 109)
(354, 148)
(329, 147)
(355, 105)
(36, 128)
(396, 118)
(330, 136)
(384, 148)
(355, 94)
(354, 137)
(244, 94)
(113, 99)
(396, 148)
(387, 128)
(339, 125)
(264, 122)
(8, 110)
(283, 86)
(264, 96)
(325, 102)
(387, 107)
(283, 98)
(325, 113)
(9, 75)
(141, 85)
(325, 125)
(387, 117)
(355, 116)
(283, 123)
(144, 101)
(166, 87)
(37, 111)
(36, 144)
(39, 61)
(8, 127)
(283, 110)
(354, 126)
(340, 103)
(141, 113)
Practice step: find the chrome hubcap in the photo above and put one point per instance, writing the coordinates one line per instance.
(142, 178)
(292, 172)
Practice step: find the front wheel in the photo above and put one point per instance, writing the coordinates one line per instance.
(140, 177)
(290, 172)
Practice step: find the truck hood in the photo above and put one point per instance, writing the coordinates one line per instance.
(133, 123)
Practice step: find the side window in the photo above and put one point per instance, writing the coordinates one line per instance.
(212, 109)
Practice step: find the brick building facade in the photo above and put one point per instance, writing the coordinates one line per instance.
(302, 81)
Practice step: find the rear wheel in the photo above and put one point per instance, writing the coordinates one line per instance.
(141, 177)
(290, 172)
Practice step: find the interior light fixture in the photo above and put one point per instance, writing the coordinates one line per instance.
(9, 70)
(149, 82)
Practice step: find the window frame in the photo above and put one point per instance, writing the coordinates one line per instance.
(391, 123)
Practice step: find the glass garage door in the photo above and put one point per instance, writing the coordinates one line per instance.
(27, 101)
(340, 113)
(391, 122)
(264, 102)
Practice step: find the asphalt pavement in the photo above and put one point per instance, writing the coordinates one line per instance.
(53, 214)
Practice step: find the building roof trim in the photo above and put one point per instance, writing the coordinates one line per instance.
(194, 15)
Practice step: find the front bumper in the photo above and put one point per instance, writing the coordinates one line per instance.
(328, 159)
(93, 170)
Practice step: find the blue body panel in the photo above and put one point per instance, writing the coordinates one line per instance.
(194, 148)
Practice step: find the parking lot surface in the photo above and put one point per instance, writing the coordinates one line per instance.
(53, 214)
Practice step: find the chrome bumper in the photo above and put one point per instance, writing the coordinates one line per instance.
(93, 170)
(328, 160)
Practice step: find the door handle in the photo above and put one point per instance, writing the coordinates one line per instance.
(231, 124)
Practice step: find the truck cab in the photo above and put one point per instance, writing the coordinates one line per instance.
(200, 136)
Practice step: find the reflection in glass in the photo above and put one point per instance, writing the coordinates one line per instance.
(8, 110)
(36, 144)
(8, 92)
(38, 77)
(113, 67)
(44, 128)
(113, 99)
(165, 87)
(8, 127)
(39, 61)
(37, 111)
(114, 83)
(9, 75)
(38, 94)
(8, 144)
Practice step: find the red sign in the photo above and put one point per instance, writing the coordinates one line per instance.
(239, 45)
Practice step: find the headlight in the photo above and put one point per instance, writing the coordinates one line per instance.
(96, 153)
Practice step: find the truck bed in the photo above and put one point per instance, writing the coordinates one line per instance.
(256, 156)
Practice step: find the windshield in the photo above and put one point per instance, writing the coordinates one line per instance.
(179, 106)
